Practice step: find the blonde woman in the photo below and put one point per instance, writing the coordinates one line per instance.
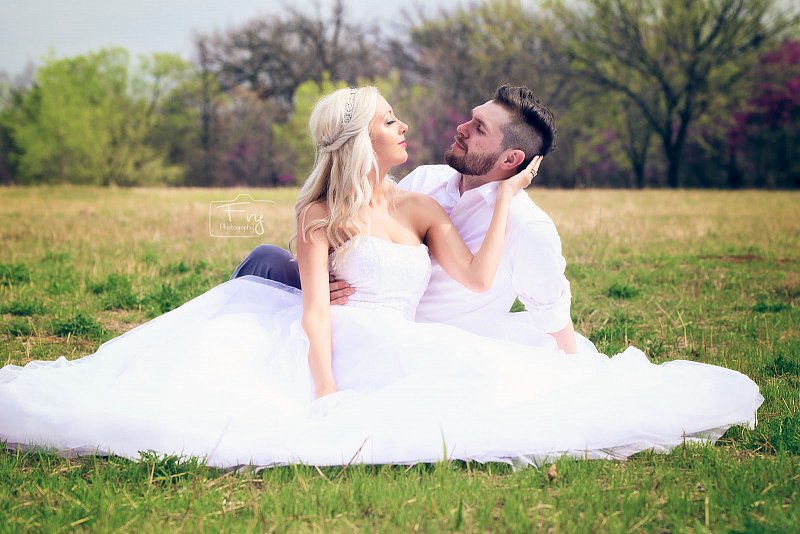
(349, 196)
(256, 372)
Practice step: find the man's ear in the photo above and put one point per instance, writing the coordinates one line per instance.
(512, 159)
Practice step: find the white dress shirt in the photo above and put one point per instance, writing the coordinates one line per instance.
(531, 268)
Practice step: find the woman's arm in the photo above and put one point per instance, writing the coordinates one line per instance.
(312, 258)
(565, 339)
(475, 272)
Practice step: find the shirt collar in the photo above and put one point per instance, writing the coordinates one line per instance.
(487, 191)
(451, 185)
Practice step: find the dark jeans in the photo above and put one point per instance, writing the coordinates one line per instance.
(270, 262)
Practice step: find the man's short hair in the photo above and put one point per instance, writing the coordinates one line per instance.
(532, 127)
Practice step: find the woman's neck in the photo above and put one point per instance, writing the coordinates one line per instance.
(378, 183)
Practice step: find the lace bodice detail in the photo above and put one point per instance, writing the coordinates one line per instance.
(385, 274)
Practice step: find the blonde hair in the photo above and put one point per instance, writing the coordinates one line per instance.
(345, 159)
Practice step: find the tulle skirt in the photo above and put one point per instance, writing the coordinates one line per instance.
(225, 377)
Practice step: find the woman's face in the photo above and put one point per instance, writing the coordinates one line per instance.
(387, 133)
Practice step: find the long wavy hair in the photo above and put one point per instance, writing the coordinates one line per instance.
(345, 159)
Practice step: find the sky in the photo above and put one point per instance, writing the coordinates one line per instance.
(29, 29)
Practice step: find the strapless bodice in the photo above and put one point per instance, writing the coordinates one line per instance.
(384, 274)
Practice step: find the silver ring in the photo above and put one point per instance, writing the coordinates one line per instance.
(534, 172)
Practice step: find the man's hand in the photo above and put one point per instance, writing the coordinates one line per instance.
(565, 339)
(340, 290)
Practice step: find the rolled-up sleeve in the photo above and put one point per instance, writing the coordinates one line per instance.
(538, 276)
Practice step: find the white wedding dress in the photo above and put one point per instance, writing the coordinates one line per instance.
(225, 377)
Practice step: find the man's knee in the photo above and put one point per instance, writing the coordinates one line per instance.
(269, 254)
(271, 262)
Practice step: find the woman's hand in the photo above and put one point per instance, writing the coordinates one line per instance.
(522, 179)
(474, 271)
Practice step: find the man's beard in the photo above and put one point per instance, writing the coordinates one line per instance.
(471, 164)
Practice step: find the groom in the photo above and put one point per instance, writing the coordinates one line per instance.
(513, 124)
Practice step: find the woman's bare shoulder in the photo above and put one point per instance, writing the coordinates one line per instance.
(315, 211)
(420, 211)
(413, 200)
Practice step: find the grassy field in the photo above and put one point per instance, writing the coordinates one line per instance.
(705, 276)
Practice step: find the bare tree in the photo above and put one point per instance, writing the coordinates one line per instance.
(202, 171)
(666, 58)
(465, 53)
(274, 55)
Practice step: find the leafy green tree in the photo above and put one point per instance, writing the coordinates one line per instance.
(431, 119)
(411, 103)
(293, 138)
(88, 120)
(666, 58)
(7, 97)
(172, 93)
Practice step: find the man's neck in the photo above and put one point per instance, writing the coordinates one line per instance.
(470, 182)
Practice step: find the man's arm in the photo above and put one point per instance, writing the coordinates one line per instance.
(538, 278)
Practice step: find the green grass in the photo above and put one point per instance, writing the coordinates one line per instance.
(706, 276)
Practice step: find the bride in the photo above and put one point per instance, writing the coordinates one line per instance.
(254, 372)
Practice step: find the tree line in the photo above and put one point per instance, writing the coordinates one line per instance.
(646, 93)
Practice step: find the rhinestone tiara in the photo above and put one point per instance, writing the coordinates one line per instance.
(351, 102)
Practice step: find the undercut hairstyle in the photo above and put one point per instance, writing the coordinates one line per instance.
(532, 127)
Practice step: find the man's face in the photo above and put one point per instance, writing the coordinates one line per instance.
(478, 142)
